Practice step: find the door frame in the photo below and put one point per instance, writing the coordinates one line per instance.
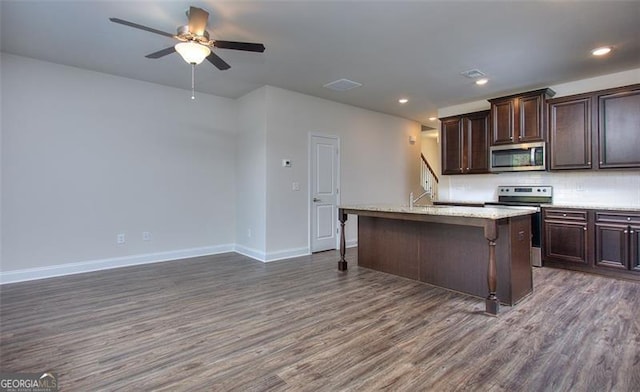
(310, 185)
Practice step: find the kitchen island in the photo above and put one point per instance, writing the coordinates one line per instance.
(480, 251)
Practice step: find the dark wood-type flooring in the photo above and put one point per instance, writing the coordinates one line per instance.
(226, 322)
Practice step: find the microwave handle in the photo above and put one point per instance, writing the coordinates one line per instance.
(533, 156)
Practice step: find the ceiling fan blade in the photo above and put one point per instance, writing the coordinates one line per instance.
(161, 53)
(141, 27)
(198, 20)
(247, 46)
(218, 62)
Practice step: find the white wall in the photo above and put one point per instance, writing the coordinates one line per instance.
(611, 187)
(431, 150)
(378, 165)
(251, 174)
(87, 155)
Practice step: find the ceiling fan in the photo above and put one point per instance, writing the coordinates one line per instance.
(195, 44)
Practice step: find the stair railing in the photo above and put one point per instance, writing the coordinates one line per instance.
(428, 178)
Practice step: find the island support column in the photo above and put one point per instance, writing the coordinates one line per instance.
(342, 264)
(492, 304)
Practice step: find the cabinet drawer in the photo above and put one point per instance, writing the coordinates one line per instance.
(618, 217)
(572, 215)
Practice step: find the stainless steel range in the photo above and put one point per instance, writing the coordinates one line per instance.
(523, 196)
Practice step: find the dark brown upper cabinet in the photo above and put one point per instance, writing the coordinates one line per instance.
(619, 128)
(570, 132)
(597, 130)
(465, 143)
(519, 118)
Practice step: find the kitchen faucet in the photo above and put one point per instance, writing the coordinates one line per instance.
(412, 200)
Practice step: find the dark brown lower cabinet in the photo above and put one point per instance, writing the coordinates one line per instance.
(617, 240)
(634, 246)
(612, 246)
(565, 236)
(599, 241)
(566, 241)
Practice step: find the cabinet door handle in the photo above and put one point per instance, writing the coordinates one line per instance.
(631, 232)
(589, 163)
(628, 218)
(584, 228)
(625, 232)
(564, 214)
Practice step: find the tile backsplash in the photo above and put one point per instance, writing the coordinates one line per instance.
(615, 188)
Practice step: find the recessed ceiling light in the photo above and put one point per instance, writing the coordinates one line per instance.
(432, 118)
(403, 100)
(482, 81)
(601, 51)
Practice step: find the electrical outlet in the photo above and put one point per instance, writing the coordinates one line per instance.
(120, 239)
(146, 236)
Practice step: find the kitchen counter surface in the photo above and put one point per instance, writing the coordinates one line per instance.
(461, 203)
(493, 213)
(586, 206)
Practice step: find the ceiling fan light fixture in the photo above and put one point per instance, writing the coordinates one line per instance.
(601, 51)
(192, 52)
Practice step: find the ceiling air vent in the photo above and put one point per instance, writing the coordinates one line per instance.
(473, 74)
(342, 85)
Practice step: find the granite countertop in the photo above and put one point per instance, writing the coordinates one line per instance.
(587, 206)
(461, 203)
(443, 210)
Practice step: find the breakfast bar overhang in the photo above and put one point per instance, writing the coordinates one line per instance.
(480, 251)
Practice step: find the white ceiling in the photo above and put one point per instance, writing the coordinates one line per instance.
(395, 49)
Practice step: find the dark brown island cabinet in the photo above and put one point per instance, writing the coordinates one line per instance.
(465, 143)
(596, 130)
(519, 118)
(471, 250)
(600, 241)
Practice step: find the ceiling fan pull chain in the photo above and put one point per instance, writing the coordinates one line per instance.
(193, 81)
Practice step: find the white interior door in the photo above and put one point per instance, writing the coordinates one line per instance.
(324, 192)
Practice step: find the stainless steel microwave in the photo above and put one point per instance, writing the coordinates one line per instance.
(517, 157)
